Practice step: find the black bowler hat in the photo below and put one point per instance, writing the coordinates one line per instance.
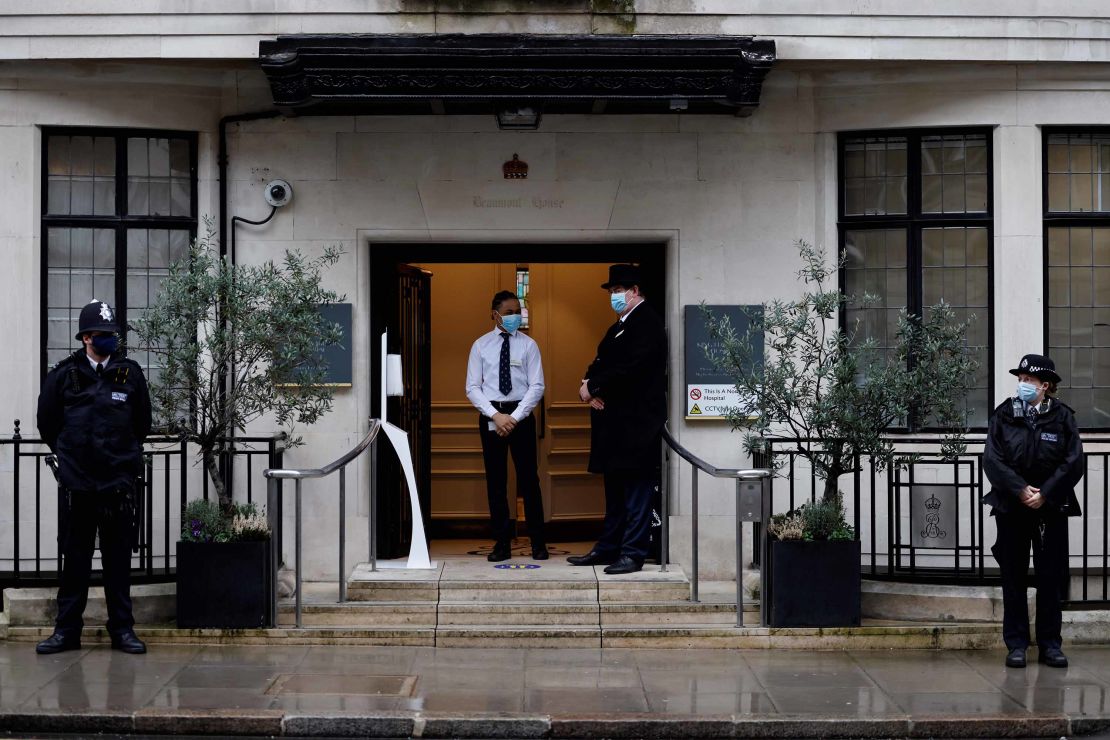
(1038, 366)
(97, 316)
(626, 275)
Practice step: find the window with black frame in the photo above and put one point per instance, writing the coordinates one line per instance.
(118, 207)
(1077, 245)
(915, 229)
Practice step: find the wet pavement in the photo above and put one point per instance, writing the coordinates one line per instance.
(398, 691)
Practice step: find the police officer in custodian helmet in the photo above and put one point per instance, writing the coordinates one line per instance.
(94, 413)
(1033, 458)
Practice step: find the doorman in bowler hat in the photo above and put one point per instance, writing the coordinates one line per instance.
(1034, 459)
(626, 388)
(94, 413)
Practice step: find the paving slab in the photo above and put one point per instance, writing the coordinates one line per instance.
(349, 690)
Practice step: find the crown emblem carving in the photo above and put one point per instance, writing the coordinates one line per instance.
(515, 169)
(932, 502)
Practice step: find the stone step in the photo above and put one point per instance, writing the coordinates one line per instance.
(151, 603)
(394, 584)
(518, 592)
(360, 614)
(1093, 629)
(489, 615)
(519, 636)
(673, 613)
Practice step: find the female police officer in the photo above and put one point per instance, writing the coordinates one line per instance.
(1033, 459)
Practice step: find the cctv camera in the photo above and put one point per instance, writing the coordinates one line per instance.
(278, 193)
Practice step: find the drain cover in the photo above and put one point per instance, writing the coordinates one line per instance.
(517, 566)
(330, 683)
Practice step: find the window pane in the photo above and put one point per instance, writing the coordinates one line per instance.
(1079, 318)
(953, 173)
(80, 174)
(874, 175)
(946, 276)
(159, 177)
(1078, 175)
(80, 262)
(875, 284)
(149, 255)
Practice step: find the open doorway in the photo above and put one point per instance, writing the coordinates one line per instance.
(435, 300)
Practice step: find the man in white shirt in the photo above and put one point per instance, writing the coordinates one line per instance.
(504, 381)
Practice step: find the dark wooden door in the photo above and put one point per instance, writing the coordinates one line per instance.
(406, 304)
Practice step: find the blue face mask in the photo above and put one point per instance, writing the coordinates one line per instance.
(1027, 391)
(619, 301)
(511, 322)
(105, 344)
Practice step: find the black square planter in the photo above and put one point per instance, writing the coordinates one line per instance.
(223, 585)
(815, 584)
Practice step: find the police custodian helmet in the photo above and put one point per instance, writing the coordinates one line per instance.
(96, 316)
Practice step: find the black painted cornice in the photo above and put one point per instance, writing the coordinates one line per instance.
(457, 73)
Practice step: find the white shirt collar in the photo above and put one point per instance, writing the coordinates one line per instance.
(94, 363)
(630, 311)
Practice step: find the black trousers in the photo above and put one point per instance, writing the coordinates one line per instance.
(1047, 535)
(628, 500)
(495, 451)
(83, 514)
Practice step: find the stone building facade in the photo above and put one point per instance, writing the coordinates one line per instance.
(969, 142)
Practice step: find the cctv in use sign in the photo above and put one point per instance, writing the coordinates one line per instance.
(712, 401)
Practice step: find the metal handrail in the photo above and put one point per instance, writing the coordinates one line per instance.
(739, 475)
(298, 475)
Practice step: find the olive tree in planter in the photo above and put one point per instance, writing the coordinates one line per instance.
(233, 344)
(831, 394)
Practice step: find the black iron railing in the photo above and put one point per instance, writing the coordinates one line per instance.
(28, 507)
(880, 504)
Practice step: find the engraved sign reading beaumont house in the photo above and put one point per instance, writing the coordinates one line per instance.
(520, 202)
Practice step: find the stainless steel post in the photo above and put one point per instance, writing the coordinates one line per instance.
(372, 513)
(693, 533)
(298, 556)
(275, 556)
(765, 553)
(664, 513)
(739, 561)
(342, 534)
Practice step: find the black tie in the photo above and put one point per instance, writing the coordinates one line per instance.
(99, 369)
(504, 379)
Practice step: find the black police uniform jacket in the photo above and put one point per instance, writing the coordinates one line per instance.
(629, 375)
(1043, 451)
(95, 425)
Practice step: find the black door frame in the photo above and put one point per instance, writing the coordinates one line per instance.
(386, 256)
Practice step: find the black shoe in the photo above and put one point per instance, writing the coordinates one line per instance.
(591, 558)
(539, 552)
(501, 551)
(127, 642)
(58, 643)
(1016, 658)
(624, 565)
(1052, 657)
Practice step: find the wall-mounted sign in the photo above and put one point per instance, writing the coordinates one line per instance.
(933, 516)
(710, 394)
(338, 356)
